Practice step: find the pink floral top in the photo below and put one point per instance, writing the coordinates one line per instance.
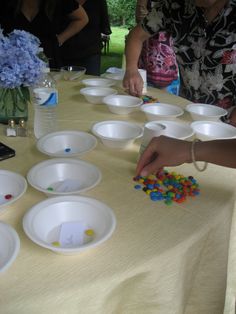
(206, 52)
(158, 58)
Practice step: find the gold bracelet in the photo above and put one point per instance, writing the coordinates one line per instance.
(193, 156)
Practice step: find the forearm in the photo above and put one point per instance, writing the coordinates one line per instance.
(220, 152)
(78, 20)
(163, 151)
(133, 47)
(73, 28)
(232, 117)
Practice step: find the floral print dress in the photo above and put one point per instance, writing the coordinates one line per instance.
(206, 52)
(159, 60)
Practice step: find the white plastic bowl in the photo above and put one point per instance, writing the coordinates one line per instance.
(98, 82)
(9, 246)
(157, 111)
(66, 143)
(12, 187)
(73, 72)
(122, 104)
(205, 112)
(43, 223)
(210, 130)
(180, 130)
(117, 134)
(95, 95)
(117, 77)
(63, 176)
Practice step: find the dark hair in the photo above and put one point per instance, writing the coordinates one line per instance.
(47, 5)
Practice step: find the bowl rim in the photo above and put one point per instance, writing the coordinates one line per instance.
(85, 89)
(15, 237)
(60, 199)
(192, 105)
(218, 123)
(138, 104)
(97, 124)
(184, 124)
(23, 180)
(101, 79)
(53, 161)
(160, 104)
(64, 68)
(41, 140)
(113, 76)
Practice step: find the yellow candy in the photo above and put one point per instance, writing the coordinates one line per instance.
(151, 177)
(56, 243)
(89, 232)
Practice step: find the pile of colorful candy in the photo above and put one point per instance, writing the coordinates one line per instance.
(149, 99)
(168, 187)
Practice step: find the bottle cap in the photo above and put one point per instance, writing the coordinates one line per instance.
(22, 123)
(11, 123)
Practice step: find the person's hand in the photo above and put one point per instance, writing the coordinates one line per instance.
(232, 118)
(163, 151)
(133, 83)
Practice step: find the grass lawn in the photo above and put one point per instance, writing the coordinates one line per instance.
(117, 42)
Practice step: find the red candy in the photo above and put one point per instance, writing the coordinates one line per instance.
(8, 196)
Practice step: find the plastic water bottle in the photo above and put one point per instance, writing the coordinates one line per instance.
(45, 105)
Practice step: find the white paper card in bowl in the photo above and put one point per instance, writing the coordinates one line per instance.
(72, 234)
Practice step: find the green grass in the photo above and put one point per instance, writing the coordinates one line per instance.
(116, 49)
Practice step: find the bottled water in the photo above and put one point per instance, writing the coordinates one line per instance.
(45, 97)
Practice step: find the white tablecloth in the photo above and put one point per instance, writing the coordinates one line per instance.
(160, 260)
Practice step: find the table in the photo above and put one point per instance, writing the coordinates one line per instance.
(160, 260)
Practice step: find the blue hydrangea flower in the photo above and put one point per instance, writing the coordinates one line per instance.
(20, 64)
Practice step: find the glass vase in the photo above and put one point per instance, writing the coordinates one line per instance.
(14, 104)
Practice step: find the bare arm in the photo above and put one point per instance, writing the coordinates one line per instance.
(133, 82)
(219, 152)
(233, 117)
(165, 151)
(78, 19)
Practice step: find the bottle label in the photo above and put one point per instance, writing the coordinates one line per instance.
(47, 97)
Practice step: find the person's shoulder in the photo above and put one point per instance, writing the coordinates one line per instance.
(68, 4)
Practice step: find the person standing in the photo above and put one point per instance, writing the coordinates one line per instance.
(84, 49)
(157, 56)
(52, 21)
(204, 33)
